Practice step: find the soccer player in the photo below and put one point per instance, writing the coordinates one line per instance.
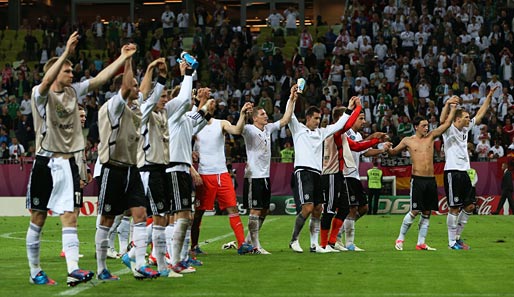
(217, 183)
(356, 205)
(333, 182)
(58, 137)
(121, 188)
(423, 193)
(456, 179)
(153, 158)
(308, 143)
(257, 187)
(182, 124)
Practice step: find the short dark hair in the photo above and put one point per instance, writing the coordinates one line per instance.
(417, 120)
(312, 110)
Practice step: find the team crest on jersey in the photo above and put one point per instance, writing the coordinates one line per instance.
(456, 199)
(137, 121)
(160, 205)
(35, 201)
(306, 197)
(107, 207)
(60, 110)
(185, 201)
(414, 205)
(352, 198)
(254, 202)
(352, 137)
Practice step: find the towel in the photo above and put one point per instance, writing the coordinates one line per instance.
(61, 198)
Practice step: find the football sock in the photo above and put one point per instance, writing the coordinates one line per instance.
(237, 227)
(451, 221)
(169, 238)
(195, 231)
(298, 225)
(423, 228)
(124, 234)
(70, 246)
(159, 246)
(179, 234)
(253, 230)
(326, 220)
(336, 227)
(33, 243)
(102, 244)
(462, 220)
(408, 219)
(184, 255)
(140, 243)
(349, 230)
(112, 231)
(314, 230)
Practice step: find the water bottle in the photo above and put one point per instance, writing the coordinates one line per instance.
(190, 60)
(301, 85)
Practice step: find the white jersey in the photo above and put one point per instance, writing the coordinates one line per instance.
(308, 144)
(456, 147)
(353, 172)
(211, 148)
(258, 149)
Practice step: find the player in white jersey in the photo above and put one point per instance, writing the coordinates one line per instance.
(257, 188)
(56, 183)
(216, 181)
(308, 145)
(182, 123)
(357, 203)
(456, 179)
(423, 192)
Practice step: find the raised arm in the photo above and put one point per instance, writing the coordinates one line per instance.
(179, 105)
(128, 80)
(148, 105)
(146, 84)
(107, 73)
(52, 73)
(331, 129)
(289, 107)
(444, 112)
(238, 128)
(444, 126)
(483, 109)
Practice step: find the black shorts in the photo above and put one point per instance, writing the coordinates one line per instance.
(156, 183)
(335, 191)
(181, 190)
(423, 193)
(458, 188)
(121, 188)
(256, 193)
(357, 196)
(40, 187)
(307, 187)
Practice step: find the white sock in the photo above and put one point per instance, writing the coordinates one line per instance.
(314, 224)
(112, 232)
(184, 255)
(70, 246)
(349, 229)
(340, 233)
(169, 238)
(406, 223)
(124, 234)
(253, 230)
(423, 228)
(149, 232)
(102, 244)
(159, 246)
(462, 220)
(140, 242)
(33, 243)
(451, 221)
(179, 234)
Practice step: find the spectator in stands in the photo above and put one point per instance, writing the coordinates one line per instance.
(274, 20)
(97, 28)
(183, 22)
(167, 19)
(4, 152)
(291, 15)
(16, 150)
(287, 154)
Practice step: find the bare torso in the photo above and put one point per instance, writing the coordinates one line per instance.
(421, 150)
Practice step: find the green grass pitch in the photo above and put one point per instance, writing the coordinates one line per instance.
(485, 270)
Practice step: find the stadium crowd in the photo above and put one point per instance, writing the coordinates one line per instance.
(402, 58)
